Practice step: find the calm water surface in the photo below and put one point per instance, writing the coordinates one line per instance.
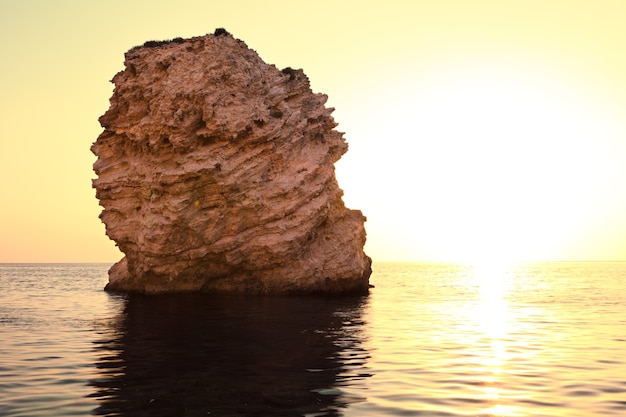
(430, 340)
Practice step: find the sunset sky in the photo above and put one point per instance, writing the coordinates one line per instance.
(478, 130)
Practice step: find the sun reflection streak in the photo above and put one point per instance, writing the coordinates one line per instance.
(493, 317)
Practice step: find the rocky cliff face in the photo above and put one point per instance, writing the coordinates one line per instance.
(216, 174)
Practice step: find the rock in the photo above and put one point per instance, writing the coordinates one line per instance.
(216, 174)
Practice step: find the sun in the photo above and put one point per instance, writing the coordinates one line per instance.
(495, 162)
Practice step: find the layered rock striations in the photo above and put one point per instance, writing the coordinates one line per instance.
(215, 172)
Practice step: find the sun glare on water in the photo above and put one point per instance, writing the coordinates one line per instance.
(493, 317)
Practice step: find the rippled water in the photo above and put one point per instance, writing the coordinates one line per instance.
(430, 340)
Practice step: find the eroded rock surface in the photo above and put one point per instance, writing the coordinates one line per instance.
(216, 174)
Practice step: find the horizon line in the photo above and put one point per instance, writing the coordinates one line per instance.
(462, 262)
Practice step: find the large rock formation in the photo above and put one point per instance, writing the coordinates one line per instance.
(216, 174)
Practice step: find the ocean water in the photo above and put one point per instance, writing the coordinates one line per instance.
(543, 339)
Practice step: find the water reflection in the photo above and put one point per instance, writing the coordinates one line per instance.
(493, 318)
(189, 355)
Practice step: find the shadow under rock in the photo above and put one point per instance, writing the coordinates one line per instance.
(199, 355)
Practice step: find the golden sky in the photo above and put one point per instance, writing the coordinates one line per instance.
(477, 129)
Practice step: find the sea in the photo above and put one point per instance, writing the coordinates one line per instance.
(531, 339)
